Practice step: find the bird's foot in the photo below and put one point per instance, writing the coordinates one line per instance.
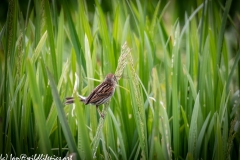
(102, 115)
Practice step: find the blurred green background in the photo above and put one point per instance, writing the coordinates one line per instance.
(178, 97)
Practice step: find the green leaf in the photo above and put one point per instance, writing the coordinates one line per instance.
(193, 131)
(201, 136)
(38, 49)
(186, 124)
(62, 116)
(175, 101)
(166, 134)
(83, 137)
(233, 69)
(74, 37)
(44, 141)
(119, 133)
(51, 38)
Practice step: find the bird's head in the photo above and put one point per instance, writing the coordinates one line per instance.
(111, 78)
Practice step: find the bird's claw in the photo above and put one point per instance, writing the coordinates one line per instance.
(102, 115)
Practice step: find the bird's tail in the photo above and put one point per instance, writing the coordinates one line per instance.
(70, 100)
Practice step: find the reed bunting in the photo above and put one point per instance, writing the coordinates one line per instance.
(100, 95)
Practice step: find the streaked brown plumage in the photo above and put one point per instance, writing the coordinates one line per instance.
(100, 95)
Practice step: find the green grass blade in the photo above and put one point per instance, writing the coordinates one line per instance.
(166, 66)
(62, 116)
(51, 38)
(175, 101)
(107, 45)
(165, 131)
(90, 73)
(39, 47)
(154, 19)
(44, 141)
(225, 132)
(232, 70)
(186, 124)
(38, 20)
(116, 25)
(192, 86)
(222, 31)
(193, 131)
(109, 138)
(219, 48)
(201, 136)
(188, 64)
(85, 22)
(119, 133)
(60, 42)
(218, 145)
(154, 137)
(83, 139)
(74, 37)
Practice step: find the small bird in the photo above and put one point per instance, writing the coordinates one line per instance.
(100, 95)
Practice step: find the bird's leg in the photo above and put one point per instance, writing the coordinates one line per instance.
(100, 113)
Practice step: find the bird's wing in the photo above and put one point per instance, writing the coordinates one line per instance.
(100, 92)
